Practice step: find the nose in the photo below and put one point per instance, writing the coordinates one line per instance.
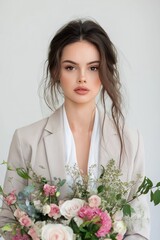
(82, 81)
(82, 78)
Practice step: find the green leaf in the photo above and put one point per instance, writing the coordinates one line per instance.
(119, 196)
(1, 190)
(146, 190)
(100, 188)
(156, 197)
(22, 173)
(127, 210)
(149, 182)
(142, 185)
(151, 196)
(8, 167)
(158, 184)
(43, 180)
(7, 228)
(62, 182)
(74, 226)
(4, 163)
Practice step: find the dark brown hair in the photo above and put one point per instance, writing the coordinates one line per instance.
(92, 32)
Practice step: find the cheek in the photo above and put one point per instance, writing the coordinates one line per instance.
(98, 83)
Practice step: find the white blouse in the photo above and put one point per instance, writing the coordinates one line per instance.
(70, 149)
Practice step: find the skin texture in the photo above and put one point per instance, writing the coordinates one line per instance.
(80, 82)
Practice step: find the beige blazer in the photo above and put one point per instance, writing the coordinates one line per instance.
(42, 144)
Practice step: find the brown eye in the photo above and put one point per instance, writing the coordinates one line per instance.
(70, 68)
(94, 68)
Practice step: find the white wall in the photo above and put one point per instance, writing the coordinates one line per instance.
(26, 27)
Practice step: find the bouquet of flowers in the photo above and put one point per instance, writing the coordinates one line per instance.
(39, 214)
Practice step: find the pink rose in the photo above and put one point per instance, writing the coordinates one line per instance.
(33, 234)
(70, 208)
(119, 237)
(25, 221)
(56, 232)
(94, 201)
(18, 213)
(54, 211)
(11, 198)
(49, 190)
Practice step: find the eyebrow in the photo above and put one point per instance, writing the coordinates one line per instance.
(69, 61)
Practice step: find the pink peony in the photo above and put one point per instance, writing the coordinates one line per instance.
(11, 198)
(87, 214)
(49, 190)
(25, 221)
(19, 236)
(33, 234)
(94, 201)
(54, 211)
(106, 224)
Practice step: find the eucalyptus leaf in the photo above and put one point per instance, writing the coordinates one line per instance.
(28, 190)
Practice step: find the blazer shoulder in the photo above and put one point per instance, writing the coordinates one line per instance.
(32, 132)
(39, 129)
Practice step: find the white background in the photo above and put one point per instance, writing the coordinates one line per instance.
(26, 28)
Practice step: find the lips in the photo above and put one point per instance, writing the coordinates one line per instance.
(81, 90)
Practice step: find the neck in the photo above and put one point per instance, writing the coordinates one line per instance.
(80, 117)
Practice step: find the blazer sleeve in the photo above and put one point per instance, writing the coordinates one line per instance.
(12, 180)
(138, 224)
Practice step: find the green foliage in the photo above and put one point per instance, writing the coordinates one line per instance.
(1, 190)
(147, 186)
(127, 210)
(156, 197)
(22, 173)
(7, 228)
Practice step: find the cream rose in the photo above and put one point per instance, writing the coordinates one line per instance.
(56, 232)
(94, 201)
(46, 209)
(70, 208)
(119, 227)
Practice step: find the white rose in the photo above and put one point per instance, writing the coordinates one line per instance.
(78, 220)
(46, 209)
(70, 208)
(38, 205)
(119, 227)
(56, 232)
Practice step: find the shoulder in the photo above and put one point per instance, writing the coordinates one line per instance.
(38, 129)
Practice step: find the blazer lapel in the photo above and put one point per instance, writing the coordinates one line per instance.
(54, 145)
(109, 143)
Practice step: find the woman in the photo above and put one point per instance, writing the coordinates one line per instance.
(81, 65)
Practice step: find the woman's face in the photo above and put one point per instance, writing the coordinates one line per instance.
(79, 72)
